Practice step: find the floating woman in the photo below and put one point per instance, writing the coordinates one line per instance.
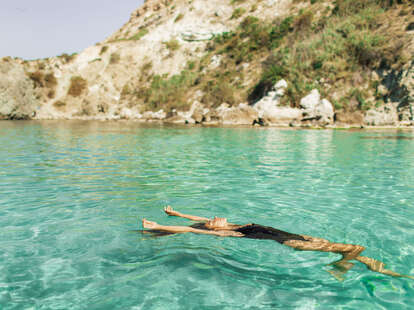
(220, 227)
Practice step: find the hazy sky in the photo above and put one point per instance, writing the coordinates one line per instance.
(42, 28)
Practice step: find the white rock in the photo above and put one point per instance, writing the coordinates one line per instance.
(17, 99)
(223, 107)
(159, 115)
(314, 107)
(384, 116)
(269, 110)
(382, 90)
(215, 61)
(126, 113)
(310, 101)
(281, 85)
(240, 115)
(191, 36)
(326, 110)
(130, 114)
(281, 115)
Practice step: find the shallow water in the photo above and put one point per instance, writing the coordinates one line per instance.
(72, 193)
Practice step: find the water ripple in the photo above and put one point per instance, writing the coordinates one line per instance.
(72, 195)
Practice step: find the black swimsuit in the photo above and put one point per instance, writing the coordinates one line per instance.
(255, 231)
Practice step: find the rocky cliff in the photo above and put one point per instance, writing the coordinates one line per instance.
(269, 62)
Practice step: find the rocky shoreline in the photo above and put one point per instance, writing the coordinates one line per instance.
(314, 112)
(214, 64)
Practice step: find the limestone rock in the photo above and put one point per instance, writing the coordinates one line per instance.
(127, 113)
(269, 110)
(283, 115)
(406, 113)
(191, 36)
(316, 109)
(178, 119)
(17, 100)
(197, 110)
(159, 115)
(349, 118)
(383, 116)
(196, 115)
(325, 109)
(215, 61)
(310, 101)
(280, 88)
(406, 105)
(240, 115)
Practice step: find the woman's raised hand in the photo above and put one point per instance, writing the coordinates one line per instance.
(170, 211)
(149, 224)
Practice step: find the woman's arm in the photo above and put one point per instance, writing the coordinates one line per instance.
(185, 229)
(172, 212)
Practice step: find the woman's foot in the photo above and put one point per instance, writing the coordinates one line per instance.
(340, 268)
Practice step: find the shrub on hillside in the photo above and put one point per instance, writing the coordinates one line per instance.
(348, 41)
(114, 58)
(237, 13)
(179, 17)
(218, 91)
(142, 32)
(68, 58)
(59, 105)
(303, 21)
(77, 86)
(50, 80)
(172, 45)
(166, 93)
(103, 49)
(37, 78)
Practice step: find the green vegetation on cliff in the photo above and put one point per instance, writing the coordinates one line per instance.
(331, 46)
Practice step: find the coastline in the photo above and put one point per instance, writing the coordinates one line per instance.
(166, 123)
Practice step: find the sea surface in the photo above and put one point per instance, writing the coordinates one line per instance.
(73, 194)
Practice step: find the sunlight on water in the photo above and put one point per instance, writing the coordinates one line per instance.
(72, 194)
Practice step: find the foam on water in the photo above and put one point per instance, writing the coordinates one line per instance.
(72, 194)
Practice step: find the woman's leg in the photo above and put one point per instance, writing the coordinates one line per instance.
(342, 266)
(378, 266)
(348, 251)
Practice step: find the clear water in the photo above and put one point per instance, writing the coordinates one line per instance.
(72, 194)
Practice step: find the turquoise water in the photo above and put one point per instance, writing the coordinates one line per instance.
(72, 194)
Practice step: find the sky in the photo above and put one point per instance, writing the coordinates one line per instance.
(33, 29)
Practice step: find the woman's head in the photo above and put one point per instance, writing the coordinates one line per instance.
(217, 222)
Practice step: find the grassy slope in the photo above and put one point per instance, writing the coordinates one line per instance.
(333, 46)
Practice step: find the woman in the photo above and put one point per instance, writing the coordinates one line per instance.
(220, 227)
